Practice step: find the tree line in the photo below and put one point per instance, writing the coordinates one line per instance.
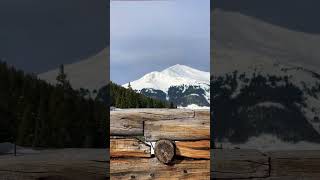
(121, 97)
(239, 112)
(36, 113)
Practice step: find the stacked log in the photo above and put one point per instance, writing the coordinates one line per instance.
(253, 164)
(181, 144)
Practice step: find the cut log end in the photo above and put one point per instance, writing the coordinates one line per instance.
(165, 151)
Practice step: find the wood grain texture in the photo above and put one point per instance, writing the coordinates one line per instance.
(165, 151)
(238, 164)
(276, 165)
(126, 127)
(191, 127)
(129, 147)
(202, 113)
(151, 114)
(130, 121)
(193, 149)
(187, 129)
(151, 168)
(82, 164)
(301, 164)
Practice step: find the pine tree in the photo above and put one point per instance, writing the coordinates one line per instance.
(62, 78)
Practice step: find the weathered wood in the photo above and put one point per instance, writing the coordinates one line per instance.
(187, 129)
(79, 164)
(205, 113)
(151, 114)
(301, 164)
(238, 164)
(171, 124)
(129, 122)
(129, 147)
(289, 178)
(126, 127)
(193, 149)
(165, 151)
(151, 168)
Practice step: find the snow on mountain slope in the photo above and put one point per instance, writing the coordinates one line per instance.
(267, 72)
(173, 76)
(91, 73)
(180, 84)
(241, 40)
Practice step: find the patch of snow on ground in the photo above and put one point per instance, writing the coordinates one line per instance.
(194, 106)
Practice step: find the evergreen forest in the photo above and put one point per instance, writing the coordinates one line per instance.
(37, 114)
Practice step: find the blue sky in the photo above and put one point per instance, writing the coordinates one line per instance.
(150, 36)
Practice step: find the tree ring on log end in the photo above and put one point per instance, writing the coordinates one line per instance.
(165, 151)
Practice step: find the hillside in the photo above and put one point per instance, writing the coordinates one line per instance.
(120, 97)
(183, 85)
(35, 113)
(265, 81)
(91, 73)
(241, 41)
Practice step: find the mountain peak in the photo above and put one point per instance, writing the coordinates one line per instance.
(179, 66)
(180, 84)
(172, 76)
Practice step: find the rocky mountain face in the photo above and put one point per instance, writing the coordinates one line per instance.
(180, 84)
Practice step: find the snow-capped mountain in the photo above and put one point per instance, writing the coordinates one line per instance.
(265, 83)
(172, 76)
(180, 84)
(280, 101)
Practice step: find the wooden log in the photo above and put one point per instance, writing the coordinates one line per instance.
(82, 164)
(129, 147)
(187, 129)
(151, 114)
(126, 127)
(129, 122)
(202, 113)
(301, 164)
(239, 164)
(151, 168)
(193, 149)
(165, 151)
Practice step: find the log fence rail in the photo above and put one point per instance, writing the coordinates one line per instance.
(179, 138)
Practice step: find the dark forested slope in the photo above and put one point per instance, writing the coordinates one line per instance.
(35, 113)
(121, 97)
